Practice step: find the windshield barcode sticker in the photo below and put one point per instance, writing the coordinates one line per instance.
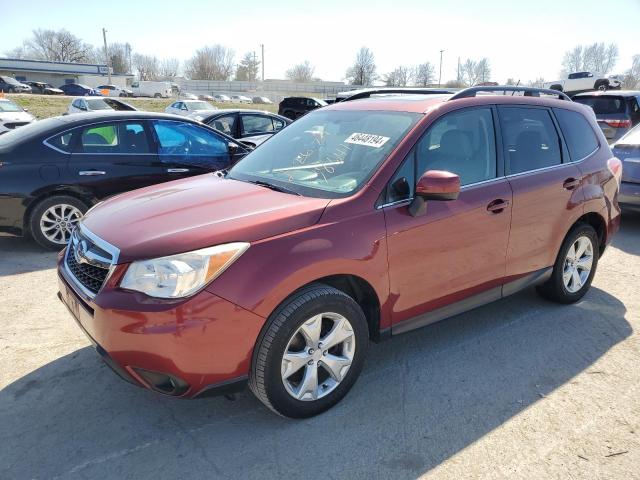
(367, 139)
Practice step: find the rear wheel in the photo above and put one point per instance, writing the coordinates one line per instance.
(575, 266)
(156, 95)
(311, 352)
(53, 220)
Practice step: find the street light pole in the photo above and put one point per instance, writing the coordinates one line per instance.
(440, 75)
(106, 53)
(262, 47)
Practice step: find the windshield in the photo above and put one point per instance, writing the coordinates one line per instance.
(8, 106)
(326, 154)
(98, 104)
(603, 105)
(631, 138)
(10, 81)
(199, 106)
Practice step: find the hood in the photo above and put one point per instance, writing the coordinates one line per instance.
(197, 212)
(10, 117)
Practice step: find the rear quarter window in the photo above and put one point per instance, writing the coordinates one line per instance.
(580, 137)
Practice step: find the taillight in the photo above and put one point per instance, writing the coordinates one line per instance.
(615, 167)
(615, 123)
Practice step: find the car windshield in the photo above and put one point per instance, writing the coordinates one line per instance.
(199, 106)
(326, 154)
(321, 102)
(603, 105)
(9, 106)
(98, 104)
(631, 138)
(10, 81)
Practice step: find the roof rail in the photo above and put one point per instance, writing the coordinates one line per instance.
(399, 90)
(528, 91)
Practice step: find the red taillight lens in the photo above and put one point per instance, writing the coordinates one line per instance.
(615, 167)
(617, 123)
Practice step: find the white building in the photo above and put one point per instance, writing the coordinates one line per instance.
(60, 73)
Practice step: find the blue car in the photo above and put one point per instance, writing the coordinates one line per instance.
(78, 90)
(627, 149)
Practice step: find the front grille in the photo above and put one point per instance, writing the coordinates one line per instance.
(87, 262)
(13, 125)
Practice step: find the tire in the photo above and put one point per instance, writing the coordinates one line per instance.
(556, 87)
(556, 289)
(602, 86)
(318, 306)
(49, 209)
(156, 95)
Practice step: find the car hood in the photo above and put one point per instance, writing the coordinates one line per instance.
(197, 212)
(11, 117)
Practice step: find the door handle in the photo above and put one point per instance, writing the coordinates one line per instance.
(571, 183)
(91, 173)
(177, 170)
(497, 206)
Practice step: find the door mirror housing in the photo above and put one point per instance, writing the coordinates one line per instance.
(436, 185)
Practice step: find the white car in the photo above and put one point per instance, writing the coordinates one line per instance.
(13, 116)
(240, 99)
(89, 104)
(221, 98)
(188, 96)
(189, 108)
(579, 82)
(114, 91)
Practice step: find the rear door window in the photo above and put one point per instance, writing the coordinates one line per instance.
(580, 137)
(256, 124)
(530, 139)
(190, 144)
(121, 138)
(603, 105)
(225, 124)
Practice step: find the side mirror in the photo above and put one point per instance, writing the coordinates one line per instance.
(233, 148)
(436, 185)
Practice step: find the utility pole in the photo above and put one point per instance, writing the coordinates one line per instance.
(458, 77)
(106, 53)
(440, 75)
(262, 47)
(254, 72)
(128, 45)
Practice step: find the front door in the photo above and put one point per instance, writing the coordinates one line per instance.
(456, 251)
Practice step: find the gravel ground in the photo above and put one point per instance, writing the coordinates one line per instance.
(521, 388)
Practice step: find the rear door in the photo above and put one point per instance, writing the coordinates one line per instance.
(547, 198)
(114, 157)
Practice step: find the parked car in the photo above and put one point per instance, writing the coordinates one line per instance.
(193, 108)
(54, 170)
(627, 149)
(240, 123)
(84, 105)
(240, 99)
(584, 82)
(295, 107)
(263, 100)
(44, 88)
(221, 98)
(78, 90)
(13, 116)
(206, 98)
(359, 221)
(114, 91)
(188, 96)
(149, 88)
(617, 112)
(11, 85)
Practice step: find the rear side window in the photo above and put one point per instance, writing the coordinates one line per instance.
(530, 139)
(580, 138)
(226, 124)
(114, 138)
(253, 124)
(603, 105)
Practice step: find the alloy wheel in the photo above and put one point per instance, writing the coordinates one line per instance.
(577, 264)
(58, 221)
(318, 356)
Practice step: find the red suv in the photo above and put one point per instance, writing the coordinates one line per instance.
(361, 220)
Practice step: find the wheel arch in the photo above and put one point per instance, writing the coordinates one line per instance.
(599, 225)
(40, 197)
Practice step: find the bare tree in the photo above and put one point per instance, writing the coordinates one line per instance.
(211, 63)
(118, 58)
(596, 57)
(511, 81)
(58, 46)
(400, 77)
(169, 68)
(248, 68)
(537, 83)
(469, 71)
(147, 66)
(632, 76)
(302, 72)
(18, 52)
(483, 71)
(424, 74)
(363, 71)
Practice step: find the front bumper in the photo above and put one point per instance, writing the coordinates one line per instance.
(629, 194)
(197, 347)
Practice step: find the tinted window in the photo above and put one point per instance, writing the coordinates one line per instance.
(252, 124)
(461, 142)
(117, 138)
(603, 105)
(402, 184)
(530, 139)
(225, 124)
(189, 142)
(580, 138)
(62, 142)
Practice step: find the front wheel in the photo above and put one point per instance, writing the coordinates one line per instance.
(53, 220)
(310, 353)
(157, 95)
(575, 266)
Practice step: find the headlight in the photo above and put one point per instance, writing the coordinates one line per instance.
(181, 275)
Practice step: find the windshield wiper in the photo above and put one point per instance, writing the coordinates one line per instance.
(271, 186)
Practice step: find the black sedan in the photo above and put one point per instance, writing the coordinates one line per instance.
(54, 170)
(239, 123)
(44, 88)
(78, 90)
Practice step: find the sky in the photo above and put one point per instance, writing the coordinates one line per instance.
(522, 40)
